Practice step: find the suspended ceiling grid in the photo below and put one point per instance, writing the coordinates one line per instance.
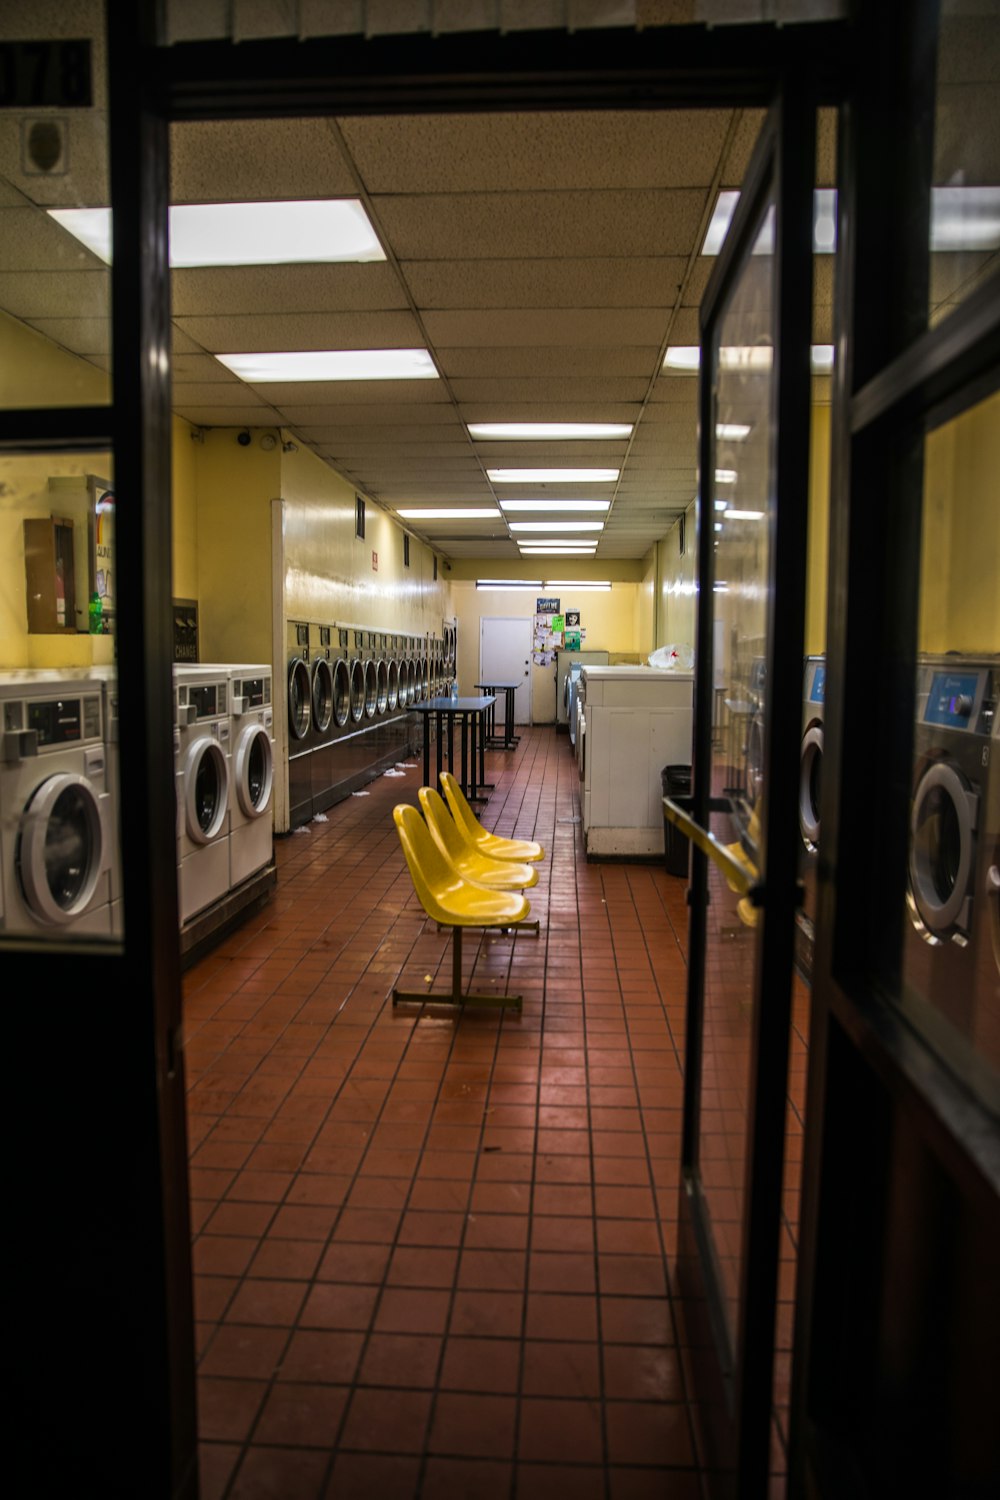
(545, 260)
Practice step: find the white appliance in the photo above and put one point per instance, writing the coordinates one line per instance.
(631, 722)
(54, 834)
(251, 807)
(108, 678)
(568, 664)
(202, 739)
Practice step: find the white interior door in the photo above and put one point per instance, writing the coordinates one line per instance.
(505, 656)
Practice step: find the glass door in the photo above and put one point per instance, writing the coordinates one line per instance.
(754, 412)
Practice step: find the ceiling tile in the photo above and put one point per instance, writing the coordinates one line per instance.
(251, 333)
(44, 294)
(228, 290)
(541, 392)
(224, 416)
(480, 360)
(566, 149)
(649, 281)
(256, 161)
(611, 223)
(581, 328)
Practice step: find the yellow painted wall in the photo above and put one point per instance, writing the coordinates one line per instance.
(675, 584)
(644, 631)
(185, 511)
(36, 372)
(960, 543)
(818, 540)
(234, 488)
(329, 573)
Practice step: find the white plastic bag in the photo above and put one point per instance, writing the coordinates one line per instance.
(677, 656)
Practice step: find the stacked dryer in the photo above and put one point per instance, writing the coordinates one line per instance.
(202, 738)
(252, 765)
(55, 838)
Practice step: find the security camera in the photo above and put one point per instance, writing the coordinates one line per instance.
(243, 438)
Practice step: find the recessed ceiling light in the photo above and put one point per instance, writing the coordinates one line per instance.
(527, 506)
(552, 476)
(531, 432)
(332, 364)
(450, 513)
(732, 432)
(556, 525)
(246, 234)
(721, 504)
(744, 515)
(821, 359)
(529, 544)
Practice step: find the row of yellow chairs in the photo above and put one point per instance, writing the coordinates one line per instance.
(464, 876)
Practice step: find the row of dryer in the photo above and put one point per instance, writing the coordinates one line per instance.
(349, 695)
(60, 868)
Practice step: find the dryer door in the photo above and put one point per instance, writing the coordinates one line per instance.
(61, 848)
(943, 825)
(206, 790)
(810, 773)
(341, 693)
(322, 694)
(299, 695)
(254, 770)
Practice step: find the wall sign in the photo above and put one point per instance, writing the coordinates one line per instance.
(546, 606)
(374, 562)
(47, 73)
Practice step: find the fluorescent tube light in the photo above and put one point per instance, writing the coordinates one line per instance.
(528, 506)
(744, 515)
(331, 364)
(965, 218)
(556, 525)
(554, 552)
(718, 227)
(720, 588)
(718, 525)
(603, 586)
(732, 432)
(721, 504)
(552, 476)
(450, 513)
(687, 357)
(247, 234)
(508, 585)
(531, 432)
(725, 476)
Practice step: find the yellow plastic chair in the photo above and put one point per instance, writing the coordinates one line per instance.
(459, 850)
(456, 903)
(491, 844)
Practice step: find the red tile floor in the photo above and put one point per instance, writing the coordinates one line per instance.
(431, 1252)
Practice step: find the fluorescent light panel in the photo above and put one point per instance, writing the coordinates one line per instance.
(962, 218)
(525, 507)
(556, 525)
(331, 364)
(531, 432)
(552, 476)
(554, 552)
(744, 515)
(732, 432)
(603, 586)
(451, 513)
(687, 358)
(246, 234)
(508, 585)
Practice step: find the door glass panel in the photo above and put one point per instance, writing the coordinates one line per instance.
(55, 282)
(965, 196)
(951, 933)
(742, 488)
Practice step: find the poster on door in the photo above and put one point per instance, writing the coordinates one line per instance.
(548, 632)
(102, 510)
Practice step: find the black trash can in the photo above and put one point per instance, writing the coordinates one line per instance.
(676, 783)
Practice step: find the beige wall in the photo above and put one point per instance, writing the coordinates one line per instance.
(676, 600)
(644, 631)
(36, 372)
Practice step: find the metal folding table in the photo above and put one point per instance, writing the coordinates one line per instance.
(472, 715)
(508, 739)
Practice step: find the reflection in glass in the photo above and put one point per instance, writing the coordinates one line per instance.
(951, 952)
(742, 494)
(965, 198)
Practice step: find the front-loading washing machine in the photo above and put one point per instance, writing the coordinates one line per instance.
(251, 810)
(810, 780)
(55, 839)
(953, 842)
(202, 738)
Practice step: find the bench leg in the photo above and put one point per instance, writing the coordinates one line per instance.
(457, 996)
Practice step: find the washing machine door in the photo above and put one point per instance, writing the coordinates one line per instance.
(254, 773)
(943, 823)
(61, 848)
(357, 691)
(392, 686)
(299, 699)
(341, 693)
(206, 790)
(810, 775)
(322, 694)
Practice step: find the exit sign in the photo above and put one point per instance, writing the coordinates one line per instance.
(374, 562)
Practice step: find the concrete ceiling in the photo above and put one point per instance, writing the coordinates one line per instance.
(545, 260)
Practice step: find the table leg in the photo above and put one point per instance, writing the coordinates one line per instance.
(427, 749)
(440, 748)
(508, 717)
(465, 749)
(451, 742)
